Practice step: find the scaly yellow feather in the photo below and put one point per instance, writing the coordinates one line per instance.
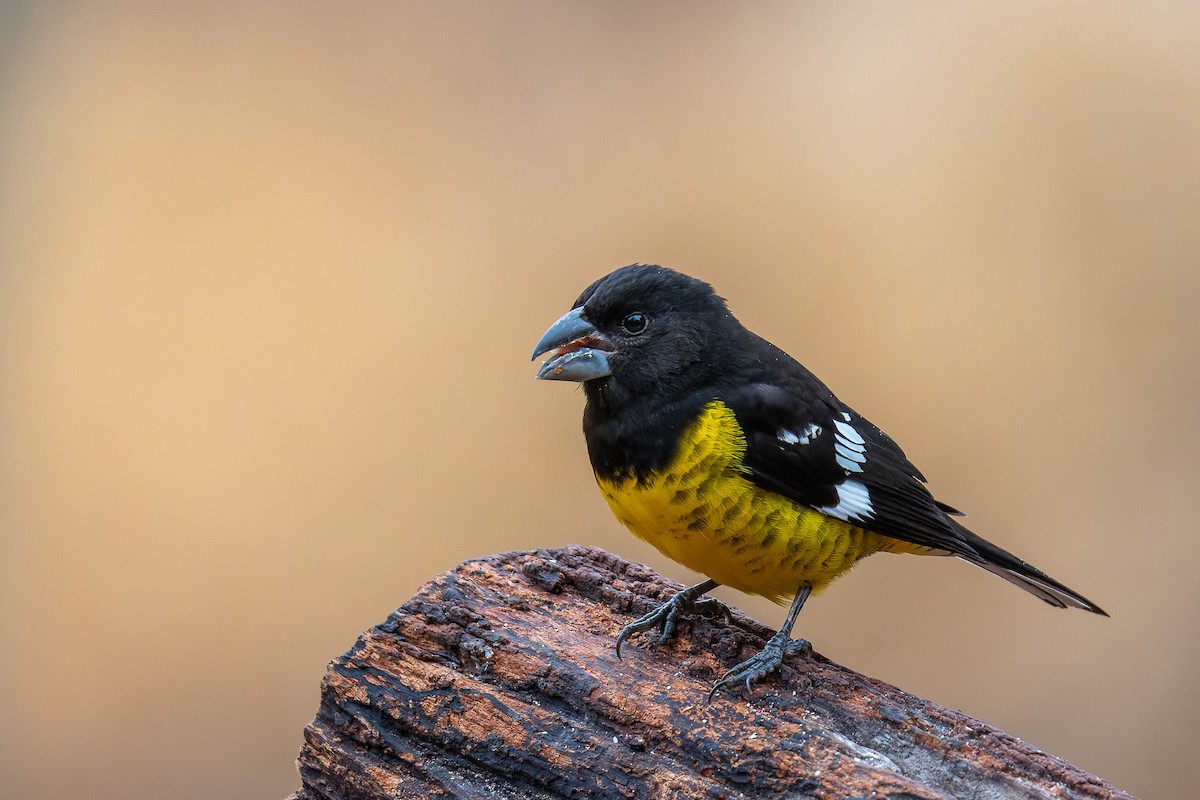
(702, 512)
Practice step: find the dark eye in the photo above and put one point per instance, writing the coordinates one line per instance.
(635, 323)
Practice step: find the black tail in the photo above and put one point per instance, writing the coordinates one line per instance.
(1000, 562)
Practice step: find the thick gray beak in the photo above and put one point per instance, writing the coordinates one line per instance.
(578, 352)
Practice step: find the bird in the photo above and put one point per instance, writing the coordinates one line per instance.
(734, 460)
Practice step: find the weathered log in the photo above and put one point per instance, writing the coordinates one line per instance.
(499, 680)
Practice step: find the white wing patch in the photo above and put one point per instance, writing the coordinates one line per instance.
(854, 503)
(850, 449)
(810, 432)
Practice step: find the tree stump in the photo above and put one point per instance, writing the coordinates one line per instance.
(499, 680)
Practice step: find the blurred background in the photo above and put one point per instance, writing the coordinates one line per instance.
(270, 275)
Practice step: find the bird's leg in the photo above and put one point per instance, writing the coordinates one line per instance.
(769, 659)
(665, 616)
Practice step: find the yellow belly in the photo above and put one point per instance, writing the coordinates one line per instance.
(702, 512)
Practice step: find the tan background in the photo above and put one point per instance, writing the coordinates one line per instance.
(270, 275)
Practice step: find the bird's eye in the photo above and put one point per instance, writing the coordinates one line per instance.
(635, 323)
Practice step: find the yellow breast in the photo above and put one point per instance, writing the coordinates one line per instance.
(702, 512)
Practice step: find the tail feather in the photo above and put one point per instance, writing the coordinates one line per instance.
(1004, 564)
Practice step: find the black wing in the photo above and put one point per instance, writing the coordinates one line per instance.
(802, 443)
(805, 444)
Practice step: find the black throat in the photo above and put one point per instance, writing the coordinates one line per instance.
(634, 437)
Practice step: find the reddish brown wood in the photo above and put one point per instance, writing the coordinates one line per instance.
(498, 680)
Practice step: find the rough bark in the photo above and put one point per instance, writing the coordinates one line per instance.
(498, 680)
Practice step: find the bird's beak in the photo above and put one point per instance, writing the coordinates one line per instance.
(578, 351)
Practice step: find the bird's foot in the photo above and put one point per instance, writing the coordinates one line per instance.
(764, 662)
(712, 608)
(665, 616)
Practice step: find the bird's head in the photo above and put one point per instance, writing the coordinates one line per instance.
(636, 330)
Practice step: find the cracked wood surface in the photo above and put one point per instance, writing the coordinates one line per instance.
(498, 680)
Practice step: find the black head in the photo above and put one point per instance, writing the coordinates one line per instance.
(637, 331)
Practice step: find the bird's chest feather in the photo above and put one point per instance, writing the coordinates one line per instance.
(701, 510)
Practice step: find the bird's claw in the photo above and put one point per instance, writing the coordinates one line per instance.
(712, 608)
(665, 616)
(662, 618)
(762, 663)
